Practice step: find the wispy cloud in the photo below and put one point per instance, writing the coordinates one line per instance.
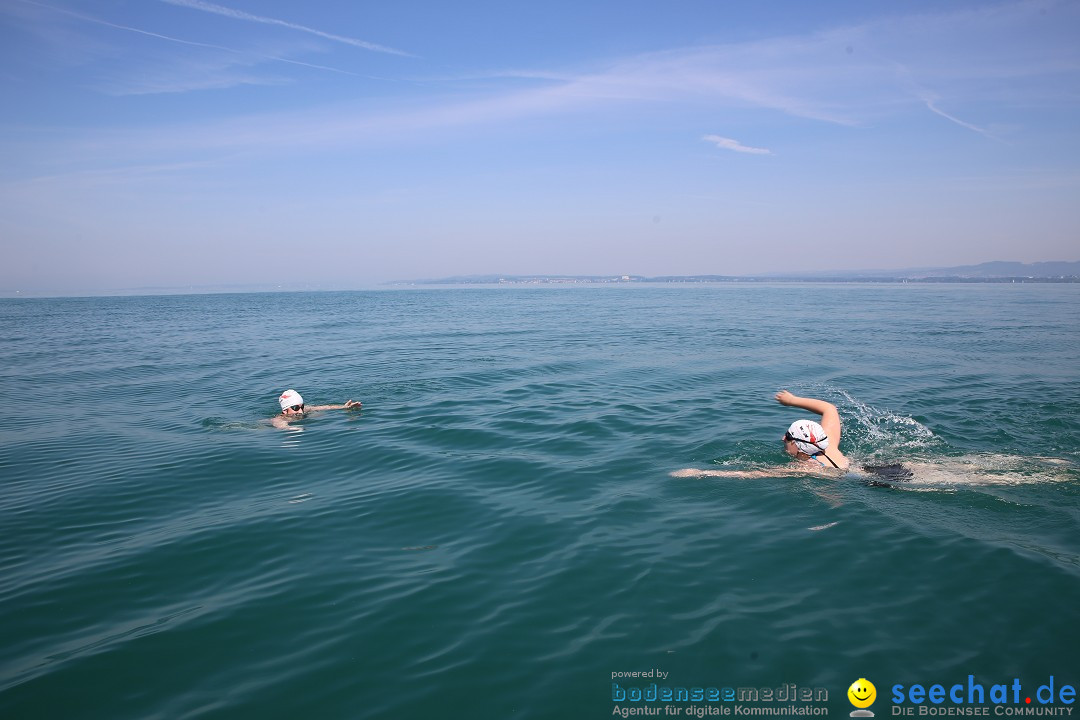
(735, 146)
(182, 80)
(241, 15)
(847, 77)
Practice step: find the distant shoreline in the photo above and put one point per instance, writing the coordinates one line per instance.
(537, 282)
(998, 271)
(748, 280)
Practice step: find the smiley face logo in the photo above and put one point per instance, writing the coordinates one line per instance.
(862, 693)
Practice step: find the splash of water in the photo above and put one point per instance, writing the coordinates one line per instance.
(883, 430)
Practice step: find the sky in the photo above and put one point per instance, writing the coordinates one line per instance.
(187, 143)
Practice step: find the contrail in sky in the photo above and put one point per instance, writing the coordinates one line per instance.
(128, 28)
(933, 108)
(241, 15)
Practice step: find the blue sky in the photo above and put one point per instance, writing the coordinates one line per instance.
(169, 143)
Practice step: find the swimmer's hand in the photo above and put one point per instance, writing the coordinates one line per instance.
(786, 398)
(352, 404)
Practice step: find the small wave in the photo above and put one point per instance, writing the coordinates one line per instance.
(826, 526)
(223, 425)
(292, 437)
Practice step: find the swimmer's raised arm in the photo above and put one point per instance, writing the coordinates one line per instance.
(785, 397)
(830, 418)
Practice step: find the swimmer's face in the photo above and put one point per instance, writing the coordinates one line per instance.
(293, 410)
(789, 446)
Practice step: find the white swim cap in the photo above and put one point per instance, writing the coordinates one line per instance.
(809, 436)
(290, 398)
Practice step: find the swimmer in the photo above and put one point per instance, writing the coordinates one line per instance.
(814, 446)
(293, 408)
(808, 441)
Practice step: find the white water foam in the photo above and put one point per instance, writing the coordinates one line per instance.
(989, 469)
(884, 428)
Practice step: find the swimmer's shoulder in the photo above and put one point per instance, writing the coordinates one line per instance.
(839, 458)
(832, 460)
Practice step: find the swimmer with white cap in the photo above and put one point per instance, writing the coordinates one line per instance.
(293, 407)
(815, 446)
(812, 442)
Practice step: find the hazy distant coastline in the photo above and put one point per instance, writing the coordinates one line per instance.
(990, 272)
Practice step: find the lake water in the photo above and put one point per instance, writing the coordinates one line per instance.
(496, 532)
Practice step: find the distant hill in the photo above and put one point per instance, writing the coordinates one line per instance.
(988, 270)
(998, 271)
(1015, 269)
